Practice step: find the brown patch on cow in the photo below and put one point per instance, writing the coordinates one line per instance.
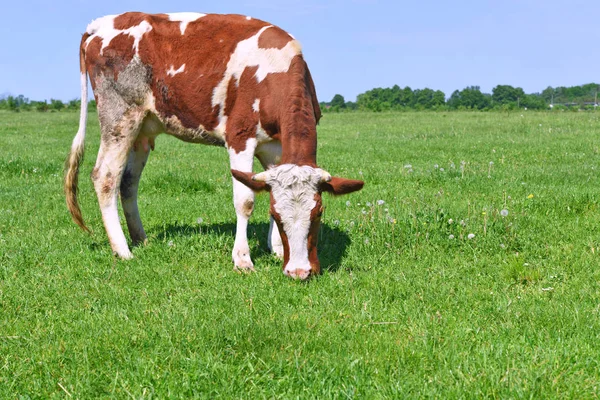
(313, 235)
(231, 96)
(114, 58)
(242, 120)
(248, 207)
(129, 19)
(274, 38)
(108, 185)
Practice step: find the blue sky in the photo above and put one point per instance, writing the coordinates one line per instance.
(351, 46)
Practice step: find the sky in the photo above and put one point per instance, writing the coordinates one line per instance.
(351, 46)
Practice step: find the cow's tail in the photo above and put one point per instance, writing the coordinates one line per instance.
(77, 148)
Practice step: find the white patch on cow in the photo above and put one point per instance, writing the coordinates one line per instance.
(172, 71)
(185, 18)
(248, 54)
(256, 105)
(293, 188)
(104, 27)
(248, 18)
(242, 161)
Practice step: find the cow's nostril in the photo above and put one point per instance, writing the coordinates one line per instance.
(297, 273)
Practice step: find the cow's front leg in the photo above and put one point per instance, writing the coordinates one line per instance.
(243, 200)
(275, 243)
(269, 155)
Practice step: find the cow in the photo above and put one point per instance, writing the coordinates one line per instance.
(224, 80)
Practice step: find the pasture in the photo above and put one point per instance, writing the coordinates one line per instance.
(467, 267)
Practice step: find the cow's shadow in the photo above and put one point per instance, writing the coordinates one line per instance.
(332, 244)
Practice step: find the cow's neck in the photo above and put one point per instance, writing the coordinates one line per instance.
(299, 150)
(299, 134)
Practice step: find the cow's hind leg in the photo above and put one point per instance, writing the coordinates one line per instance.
(117, 140)
(269, 155)
(138, 156)
(243, 200)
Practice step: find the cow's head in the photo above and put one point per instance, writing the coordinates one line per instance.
(296, 206)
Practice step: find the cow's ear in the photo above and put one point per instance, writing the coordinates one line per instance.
(338, 186)
(246, 179)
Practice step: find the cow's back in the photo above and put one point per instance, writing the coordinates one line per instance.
(199, 68)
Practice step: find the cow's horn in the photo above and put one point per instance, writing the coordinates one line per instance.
(261, 177)
(325, 176)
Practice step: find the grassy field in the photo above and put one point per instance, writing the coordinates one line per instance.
(467, 267)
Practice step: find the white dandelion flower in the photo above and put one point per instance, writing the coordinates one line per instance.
(451, 237)
(199, 221)
(504, 212)
(348, 203)
(471, 236)
(380, 202)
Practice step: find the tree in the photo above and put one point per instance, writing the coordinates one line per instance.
(470, 97)
(56, 104)
(506, 94)
(338, 100)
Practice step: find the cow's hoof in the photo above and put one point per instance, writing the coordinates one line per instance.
(242, 261)
(124, 255)
(243, 270)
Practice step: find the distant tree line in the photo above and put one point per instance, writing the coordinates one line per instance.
(22, 103)
(503, 97)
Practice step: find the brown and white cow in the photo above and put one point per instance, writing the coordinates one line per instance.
(225, 80)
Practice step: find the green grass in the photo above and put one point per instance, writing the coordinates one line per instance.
(401, 310)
